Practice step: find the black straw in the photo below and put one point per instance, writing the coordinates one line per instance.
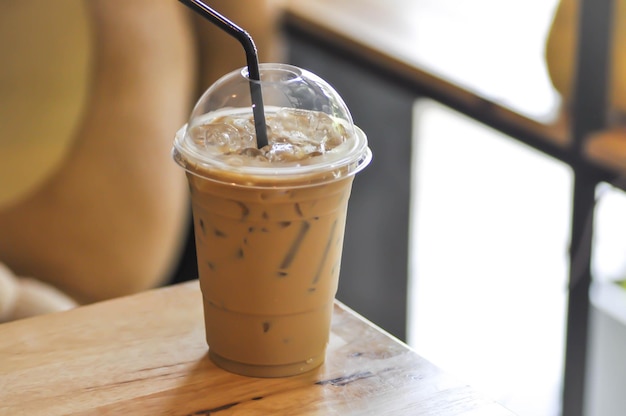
(252, 60)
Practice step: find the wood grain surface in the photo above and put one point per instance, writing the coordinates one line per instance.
(146, 355)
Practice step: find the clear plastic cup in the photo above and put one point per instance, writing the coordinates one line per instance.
(269, 223)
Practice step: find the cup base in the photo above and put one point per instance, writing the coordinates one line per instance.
(266, 371)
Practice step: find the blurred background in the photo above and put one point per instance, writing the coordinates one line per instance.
(489, 217)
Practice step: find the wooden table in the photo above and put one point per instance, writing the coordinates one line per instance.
(146, 355)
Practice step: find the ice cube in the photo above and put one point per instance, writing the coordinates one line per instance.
(282, 152)
(219, 134)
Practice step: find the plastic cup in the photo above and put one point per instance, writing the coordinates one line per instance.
(269, 223)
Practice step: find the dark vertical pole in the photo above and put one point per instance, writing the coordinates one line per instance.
(589, 113)
(578, 297)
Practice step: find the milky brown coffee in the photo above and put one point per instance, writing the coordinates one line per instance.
(269, 226)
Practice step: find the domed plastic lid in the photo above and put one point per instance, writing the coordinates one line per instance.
(311, 135)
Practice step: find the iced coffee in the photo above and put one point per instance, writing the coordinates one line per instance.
(269, 223)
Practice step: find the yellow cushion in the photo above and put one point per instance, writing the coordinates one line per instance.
(45, 55)
(560, 52)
